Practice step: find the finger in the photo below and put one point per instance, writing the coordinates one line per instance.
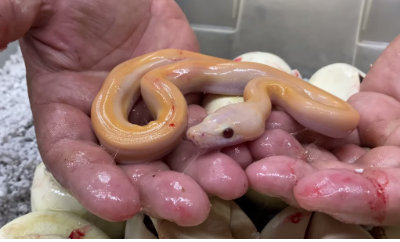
(70, 151)
(384, 75)
(316, 154)
(349, 153)
(320, 159)
(370, 197)
(136, 171)
(219, 175)
(384, 156)
(191, 204)
(276, 142)
(173, 196)
(382, 119)
(380, 115)
(283, 121)
(276, 176)
(103, 189)
(17, 17)
(216, 173)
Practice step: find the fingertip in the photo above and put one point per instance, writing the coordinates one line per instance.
(277, 175)
(262, 175)
(17, 17)
(175, 197)
(219, 175)
(215, 172)
(105, 190)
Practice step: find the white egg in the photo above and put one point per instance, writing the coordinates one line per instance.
(50, 225)
(48, 195)
(266, 59)
(212, 102)
(290, 223)
(136, 229)
(323, 226)
(297, 223)
(339, 79)
(226, 220)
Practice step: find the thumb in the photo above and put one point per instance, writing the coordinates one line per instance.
(384, 76)
(16, 18)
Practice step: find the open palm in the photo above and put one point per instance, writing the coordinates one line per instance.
(69, 47)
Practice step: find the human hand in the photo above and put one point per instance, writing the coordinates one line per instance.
(69, 47)
(338, 176)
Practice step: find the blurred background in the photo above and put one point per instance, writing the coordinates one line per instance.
(308, 34)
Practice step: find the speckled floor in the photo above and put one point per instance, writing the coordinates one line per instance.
(18, 148)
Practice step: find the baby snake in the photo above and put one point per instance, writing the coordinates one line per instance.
(162, 78)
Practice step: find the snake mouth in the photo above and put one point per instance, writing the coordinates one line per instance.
(193, 136)
(202, 140)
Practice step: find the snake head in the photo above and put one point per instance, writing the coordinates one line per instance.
(229, 125)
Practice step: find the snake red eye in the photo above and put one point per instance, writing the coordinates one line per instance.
(228, 133)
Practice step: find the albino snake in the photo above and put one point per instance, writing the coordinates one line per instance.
(162, 78)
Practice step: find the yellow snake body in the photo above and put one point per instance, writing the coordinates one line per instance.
(163, 77)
